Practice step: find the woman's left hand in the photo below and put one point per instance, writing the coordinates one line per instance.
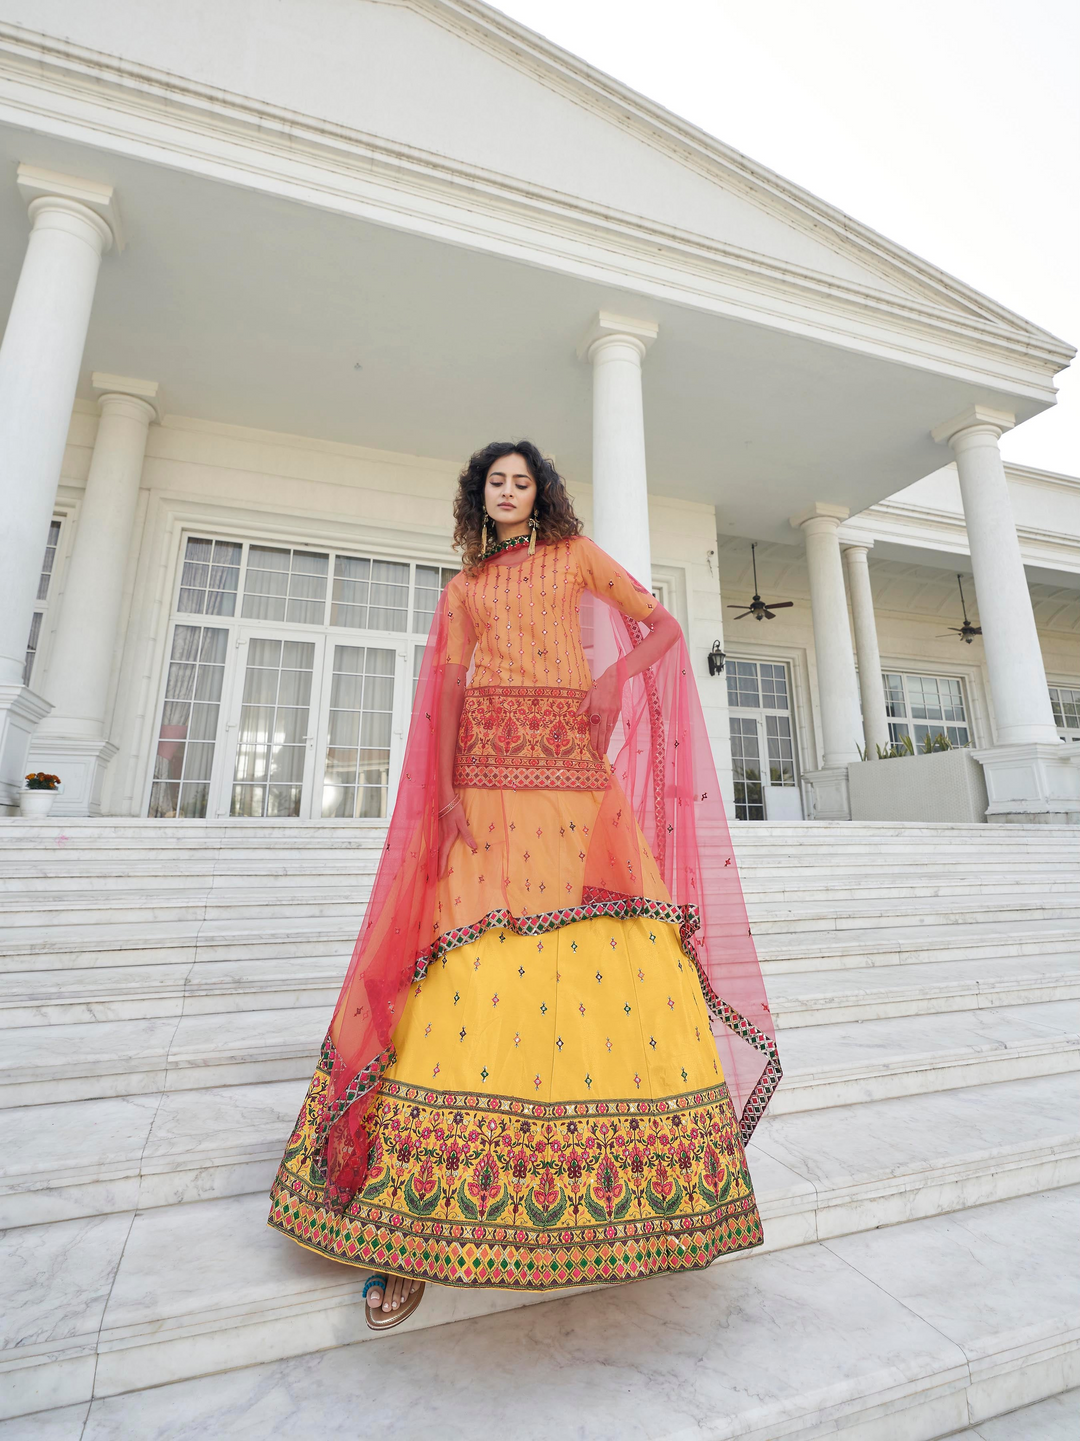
(601, 705)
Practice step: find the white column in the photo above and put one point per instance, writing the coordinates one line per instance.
(1013, 659)
(39, 369)
(72, 742)
(837, 686)
(1029, 775)
(875, 722)
(616, 347)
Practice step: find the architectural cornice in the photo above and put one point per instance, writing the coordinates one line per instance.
(1051, 479)
(929, 527)
(689, 145)
(58, 88)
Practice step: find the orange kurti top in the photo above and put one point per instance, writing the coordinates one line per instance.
(530, 782)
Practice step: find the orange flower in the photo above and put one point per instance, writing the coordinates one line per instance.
(42, 781)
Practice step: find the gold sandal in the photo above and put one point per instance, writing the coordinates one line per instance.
(393, 1318)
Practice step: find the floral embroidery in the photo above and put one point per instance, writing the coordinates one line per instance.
(526, 738)
(498, 1191)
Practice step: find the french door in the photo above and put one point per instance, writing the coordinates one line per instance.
(289, 680)
(313, 726)
(762, 741)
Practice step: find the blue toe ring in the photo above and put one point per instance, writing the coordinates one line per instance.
(372, 1281)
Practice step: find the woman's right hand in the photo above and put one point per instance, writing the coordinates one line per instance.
(453, 826)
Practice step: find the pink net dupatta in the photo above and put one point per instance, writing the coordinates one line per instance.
(663, 794)
(664, 767)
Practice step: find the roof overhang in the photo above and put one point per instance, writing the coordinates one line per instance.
(270, 254)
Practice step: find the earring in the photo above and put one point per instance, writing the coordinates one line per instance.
(534, 526)
(487, 542)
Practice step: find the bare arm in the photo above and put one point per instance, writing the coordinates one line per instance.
(603, 700)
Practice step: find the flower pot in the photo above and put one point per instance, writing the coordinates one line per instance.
(36, 804)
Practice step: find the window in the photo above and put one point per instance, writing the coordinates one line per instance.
(762, 686)
(926, 705)
(189, 721)
(431, 581)
(757, 685)
(746, 767)
(778, 741)
(44, 581)
(742, 684)
(371, 594)
(314, 709)
(210, 577)
(271, 748)
(361, 715)
(287, 585)
(1066, 704)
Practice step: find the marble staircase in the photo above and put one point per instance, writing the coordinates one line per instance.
(163, 992)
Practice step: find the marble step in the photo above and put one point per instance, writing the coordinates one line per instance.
(168, 907)
(797, 998)
(16, 830)
(126, 993)
(843, 1063)
(128, 1058)
(946, 1320)
(229, 1400)
(223, 833)
(49, 948)
(817, 1173)
(915, 910)
(825, 1065)
(818, 908)
(1055, 1419)
(797, 890)
(323, 888)
(803, 998)
(793, 878)
(913, 945)
(263, 939)
(324, 869)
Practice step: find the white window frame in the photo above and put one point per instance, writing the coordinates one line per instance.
(1072, 734)
(911, 722)
(789, 659)
(295, 538)
(803, 717)
(42, 602)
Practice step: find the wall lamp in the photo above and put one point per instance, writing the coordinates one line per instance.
(716, 659)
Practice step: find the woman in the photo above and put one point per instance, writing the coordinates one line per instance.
(520, 1088)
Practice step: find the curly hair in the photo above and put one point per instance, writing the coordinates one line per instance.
(553, 508)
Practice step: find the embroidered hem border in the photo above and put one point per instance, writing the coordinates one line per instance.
(685, 917)
(674, 1249)
(546, 1242)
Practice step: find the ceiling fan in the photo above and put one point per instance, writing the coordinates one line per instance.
(967, 632)
(759, 609)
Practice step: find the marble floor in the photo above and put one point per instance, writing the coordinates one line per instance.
(890, 1336)
(919, 1171)
(1055, 1419)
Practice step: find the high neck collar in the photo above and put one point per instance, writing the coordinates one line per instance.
(510, 544)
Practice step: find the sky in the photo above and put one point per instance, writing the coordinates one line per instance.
(950, 126)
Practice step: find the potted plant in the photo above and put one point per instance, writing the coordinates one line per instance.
(37, 799)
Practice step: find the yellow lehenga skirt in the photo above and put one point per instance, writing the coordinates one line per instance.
(556, 1116)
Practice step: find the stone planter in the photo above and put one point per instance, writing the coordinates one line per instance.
(942, 786)
(35, 805)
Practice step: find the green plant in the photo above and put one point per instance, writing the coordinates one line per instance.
(940, 742)
(896, 749)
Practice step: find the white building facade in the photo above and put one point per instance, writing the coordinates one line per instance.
(266, 298)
